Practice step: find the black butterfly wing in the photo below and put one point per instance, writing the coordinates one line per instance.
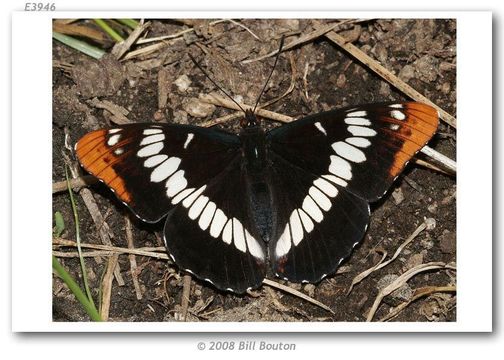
(364, 148)
(194, 176)
(146, 165)
(326, 169)
(318, 223)
(211, 234)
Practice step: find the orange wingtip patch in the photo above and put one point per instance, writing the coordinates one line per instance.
(417, 124)
(97, 157)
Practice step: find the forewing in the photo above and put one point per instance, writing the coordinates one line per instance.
(364, 148)
(147, 165)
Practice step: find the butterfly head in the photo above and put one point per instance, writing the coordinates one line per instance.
(250, 119)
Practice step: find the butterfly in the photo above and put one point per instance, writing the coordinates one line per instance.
(291, 202)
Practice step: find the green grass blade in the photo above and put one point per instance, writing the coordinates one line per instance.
(129, 22)
(79, 45)
(75, 289)
(111, 32)
(77, 240)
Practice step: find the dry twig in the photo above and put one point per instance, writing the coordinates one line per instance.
(421, 292)
(296, 293)
(121, 48)
(155, 252)
(75, 183)
(401, 280)
(221, 101)
(427, 224)
(132, 259)
(107, 287)
(186, 291)
(118, 112)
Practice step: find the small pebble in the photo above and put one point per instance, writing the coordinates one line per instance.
(182, 83)
(407, 73)
(196, 108)
(431, 223)
(398, 196)
(159, 115)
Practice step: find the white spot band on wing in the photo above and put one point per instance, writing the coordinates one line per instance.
(150, 150)
(397, 114)
(361, 131)
(349, 152)
(114, 139)
(152, 139)
(300, 221)
(357, 121)
(361, 113)
(190, 136)
(320, 128)
(212, 219)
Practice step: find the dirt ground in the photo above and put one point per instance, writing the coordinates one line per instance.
(165, 85)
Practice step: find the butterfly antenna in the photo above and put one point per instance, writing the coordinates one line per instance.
(213, 82)
(271, 73)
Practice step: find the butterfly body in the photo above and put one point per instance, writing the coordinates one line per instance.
(293, 201)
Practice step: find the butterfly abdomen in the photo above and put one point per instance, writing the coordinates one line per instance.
(256, 171)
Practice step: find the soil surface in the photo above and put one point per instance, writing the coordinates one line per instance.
(164, 86)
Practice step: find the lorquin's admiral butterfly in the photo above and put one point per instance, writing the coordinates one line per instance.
(293, 200)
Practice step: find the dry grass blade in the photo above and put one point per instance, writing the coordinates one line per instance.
(221, 101)
(186, 291)
(387, 75)
(296, 293)
(107, 287)
(174, 36)
(357, 279)
(433, 167)
(75, 183)
(146, 50)
(400, 281)
(440, 158)
(381, 264)
(86, 254)
(101, 225)
(121, 48)
(79, 30)
(118, 112)
(222, 119)
(132, 259)
(164, 42)
(154, 252)
(421, 292)
(165, 37)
